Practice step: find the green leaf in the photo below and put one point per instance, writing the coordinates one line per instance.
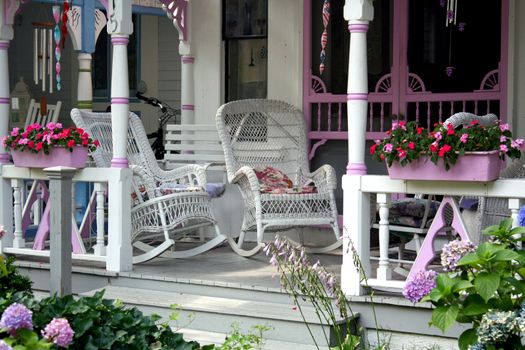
(444, 316)
(434, 295)
(505, 255)
(461, 285)
(444, 284)
(519, 230)
(474, 305)
(467, 338)
(486, 284)
(469, 259)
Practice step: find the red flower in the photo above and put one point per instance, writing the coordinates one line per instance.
(419, 130)
(85, 142)
(443, 150)
(39, 146)
(38, 136)
(450, 132)
(402, 154)
(96, 143)
(474, 122)
(80, 131)
(434, 147)
(372, 149)
(388, 132)
(30, 144)
(382, 156)
(71, 143)
(411, 145)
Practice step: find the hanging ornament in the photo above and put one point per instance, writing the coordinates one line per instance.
(451, 18)
(324, 35)
(57, 37)
(63, 29)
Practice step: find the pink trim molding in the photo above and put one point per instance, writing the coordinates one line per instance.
(356, 169)
(119, 162)
(4, 45)
(188, 107)
(119, 40)
(357, 96)
(5, 158)
(187, 59)
(358, 27)
(5, 100)
(120, 101)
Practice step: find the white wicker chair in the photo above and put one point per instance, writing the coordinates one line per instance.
(259, 133)
(155, 217)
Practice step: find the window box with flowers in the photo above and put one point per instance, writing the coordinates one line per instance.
(46, 146)
(472, 153)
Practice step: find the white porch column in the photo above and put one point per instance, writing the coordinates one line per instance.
(4, 97)
(119, 249)
(187, 92)
(84, 87)
(356, 222)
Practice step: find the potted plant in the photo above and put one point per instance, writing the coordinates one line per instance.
(52, 145)
(472, 153)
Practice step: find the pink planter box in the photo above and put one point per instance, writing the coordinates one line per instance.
(473, 166)
(58, 156)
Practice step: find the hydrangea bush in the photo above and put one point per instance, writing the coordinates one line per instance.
(483, 286)
(37, 138)
(408, 142)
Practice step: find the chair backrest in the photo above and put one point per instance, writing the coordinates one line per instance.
(139, 152)
(34, 114)
(259, 133)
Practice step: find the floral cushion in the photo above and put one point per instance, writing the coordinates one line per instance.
(274, 181)
(414, 207)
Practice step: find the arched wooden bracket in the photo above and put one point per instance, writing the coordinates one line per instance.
(427, 253)
(177, 11)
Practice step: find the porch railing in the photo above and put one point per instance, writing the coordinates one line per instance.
(91, 240)
(357, 220)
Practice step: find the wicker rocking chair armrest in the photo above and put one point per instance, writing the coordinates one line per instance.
(191, 173)
(246, 173)
(324, 178)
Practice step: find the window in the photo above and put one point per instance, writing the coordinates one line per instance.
(102, 63)
(245, 32)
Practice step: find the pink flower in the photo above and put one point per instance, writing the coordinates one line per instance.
(434, 146)
(39, 146)
(14, 132)
(504, 127)
(411, 145)
(36, 126)
(71, 143)
(518, 143)
(23, 141)
(502, 138)
(58, 125)
(503, 148)
(388, 148)
(464, 138)
(2, 232)
(59, 332)
(402, 153)
(4, 141)
(443, 150)
(438, 136)
(51, 126)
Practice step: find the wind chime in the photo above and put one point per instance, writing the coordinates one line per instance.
(47, 36)
(324, 35)
(451, 21)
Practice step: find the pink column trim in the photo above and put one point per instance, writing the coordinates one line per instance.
(119, 162)
(5, 100)
(358, 27)
(4, 45)
(188, 107)
(357, 96)
(187, 59)
(356, 169)
(119, 40)
(120, 101)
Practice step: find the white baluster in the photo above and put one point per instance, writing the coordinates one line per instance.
(384, 272)
(18, 241)
(514, 206)
(100, 248)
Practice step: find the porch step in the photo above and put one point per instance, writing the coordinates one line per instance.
(217, 314)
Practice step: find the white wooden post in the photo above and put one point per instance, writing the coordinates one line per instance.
(384, 272)
(18, 241)
(60, 199)
(84, 87)
(6, 211)
(187, 93)
(100, 247)
(119, 26)
(356, 209)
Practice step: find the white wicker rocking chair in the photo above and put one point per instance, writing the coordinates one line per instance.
(265, 133)
(155, 216)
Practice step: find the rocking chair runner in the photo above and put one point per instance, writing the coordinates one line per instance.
(264, 136)
(153, 211)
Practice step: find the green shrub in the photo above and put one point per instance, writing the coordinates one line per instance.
(10, 280)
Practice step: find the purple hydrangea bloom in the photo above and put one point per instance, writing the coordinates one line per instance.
(15, 317)
(4, 346)
(420, 285)
(59, 332)
(453, 252)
